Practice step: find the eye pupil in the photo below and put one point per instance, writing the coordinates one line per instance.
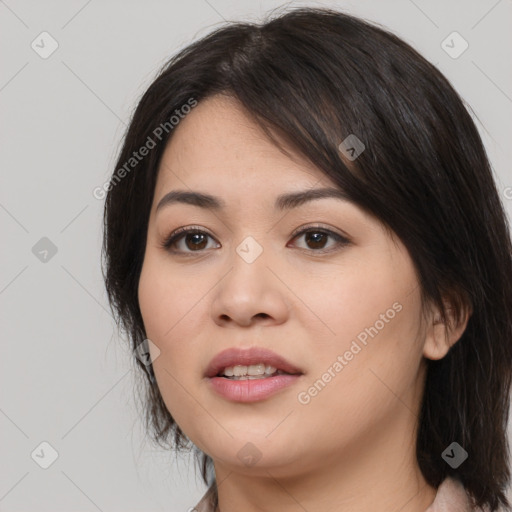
(316, 238)
(198, 239)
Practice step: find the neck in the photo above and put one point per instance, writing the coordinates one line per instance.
(373, 473)
(408, 492)
(387, 488)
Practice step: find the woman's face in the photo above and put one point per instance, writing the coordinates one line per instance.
(340, 303)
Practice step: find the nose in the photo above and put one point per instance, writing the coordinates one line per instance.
(250, 293)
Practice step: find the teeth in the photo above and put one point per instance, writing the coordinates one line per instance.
(254, 370)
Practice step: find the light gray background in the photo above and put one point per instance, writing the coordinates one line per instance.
(66, 377)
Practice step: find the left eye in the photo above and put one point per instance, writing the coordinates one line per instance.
(316, 239)
(196, 240)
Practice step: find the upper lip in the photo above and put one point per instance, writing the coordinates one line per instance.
(246, 357)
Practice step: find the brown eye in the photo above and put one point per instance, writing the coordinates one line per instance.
(317, 240)
(195, 241)
(187, 240)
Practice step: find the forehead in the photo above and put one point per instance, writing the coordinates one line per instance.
(218, 141)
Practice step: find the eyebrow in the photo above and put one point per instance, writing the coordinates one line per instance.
(283, 202)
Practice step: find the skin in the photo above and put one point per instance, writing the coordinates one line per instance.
(352, 447)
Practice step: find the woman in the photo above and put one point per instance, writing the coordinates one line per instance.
(304, 239)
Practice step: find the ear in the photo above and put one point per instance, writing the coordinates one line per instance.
(441, 336)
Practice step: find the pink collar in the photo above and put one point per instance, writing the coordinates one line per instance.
(451, 497)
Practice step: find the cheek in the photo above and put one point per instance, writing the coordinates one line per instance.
(370, 341)
(170, 302)
(164, 312)
(366, 388)
(173, 315)
(345, 302)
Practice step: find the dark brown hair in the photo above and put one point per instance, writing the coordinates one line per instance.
(315, 76)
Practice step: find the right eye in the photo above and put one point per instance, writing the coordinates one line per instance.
(191, 238)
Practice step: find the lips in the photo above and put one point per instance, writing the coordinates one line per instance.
(251, 389)
(248, 357)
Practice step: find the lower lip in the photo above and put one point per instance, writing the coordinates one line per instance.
(251, 390)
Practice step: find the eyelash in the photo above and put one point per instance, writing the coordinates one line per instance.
(178, 234)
